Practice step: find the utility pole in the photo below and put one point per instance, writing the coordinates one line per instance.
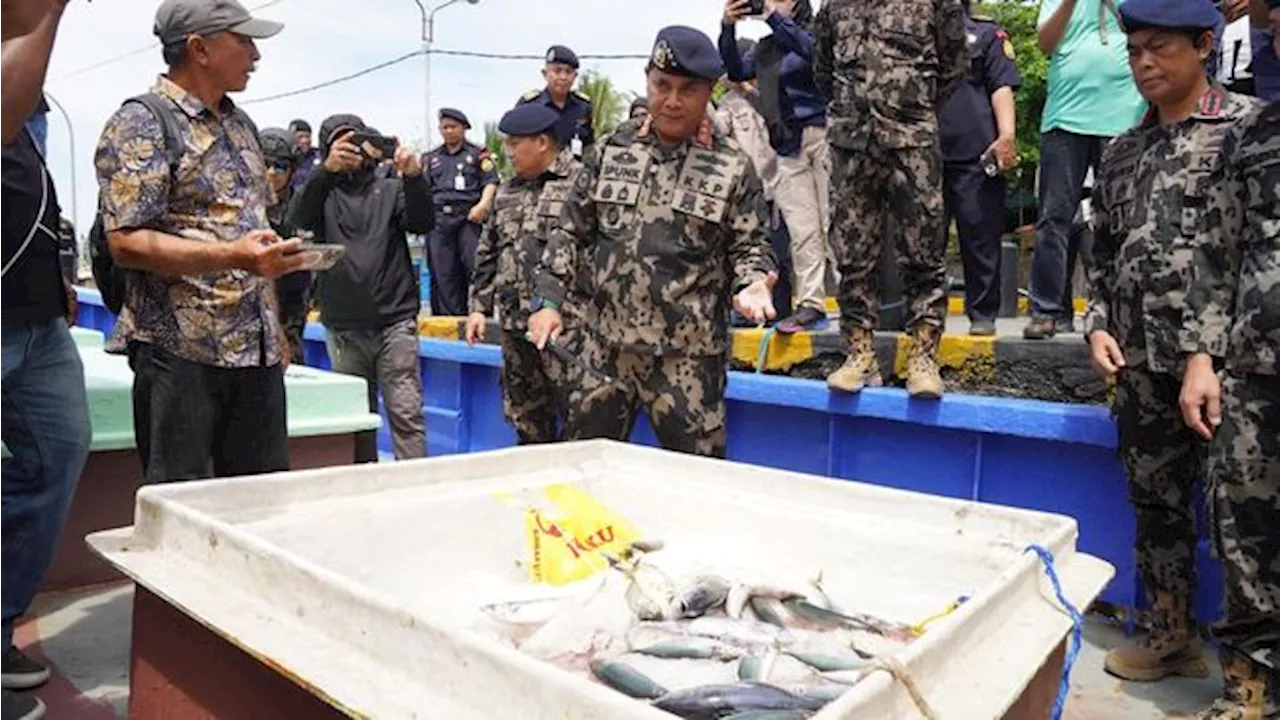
(428, 37)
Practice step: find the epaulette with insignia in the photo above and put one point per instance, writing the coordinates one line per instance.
(531, 95)
(582, 96)
(982, 18)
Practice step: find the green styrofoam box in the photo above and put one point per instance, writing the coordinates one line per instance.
(319, 402)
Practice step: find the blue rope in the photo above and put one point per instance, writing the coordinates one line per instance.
(763, 353)
(1077, 629)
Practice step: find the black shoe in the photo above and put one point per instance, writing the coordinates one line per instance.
(806, 318)
(20, 672)
(1040, 328)
(982, 327)
(21, 706)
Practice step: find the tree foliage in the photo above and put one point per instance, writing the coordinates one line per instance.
(493, 142)
(608, 104)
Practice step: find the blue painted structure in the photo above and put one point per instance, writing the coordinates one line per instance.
(1054, 457)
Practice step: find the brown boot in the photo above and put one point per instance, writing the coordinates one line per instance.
(1250, 690)
(1171, 648)
(923, 379)
(861, 369)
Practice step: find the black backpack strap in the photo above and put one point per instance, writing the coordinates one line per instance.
(162, 108)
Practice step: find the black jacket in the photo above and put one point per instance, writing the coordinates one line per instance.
(374, 285)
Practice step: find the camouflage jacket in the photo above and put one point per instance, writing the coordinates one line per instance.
(1234, 305)
(1150, 203)
(511, 247)
(671, 232)
(886, 72)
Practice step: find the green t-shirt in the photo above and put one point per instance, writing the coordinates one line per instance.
(1091, 89)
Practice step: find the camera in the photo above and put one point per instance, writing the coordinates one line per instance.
(375, 146)
(755, 7)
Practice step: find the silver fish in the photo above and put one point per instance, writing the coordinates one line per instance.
(692, 648)
(626, 679)
(771, 715)
(710, 702)
(770, 610)
(829, 619)
(827, 663)
(740, 595)
(705, 593)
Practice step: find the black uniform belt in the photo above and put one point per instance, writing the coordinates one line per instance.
(455, 208)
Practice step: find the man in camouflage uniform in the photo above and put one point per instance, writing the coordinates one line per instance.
(1235, 307)
(886, 73)
(1150, 199)
(673, 219)
(507, 260)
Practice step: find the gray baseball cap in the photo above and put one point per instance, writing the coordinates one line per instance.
(176, 20)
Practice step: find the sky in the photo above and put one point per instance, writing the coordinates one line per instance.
(324, 39)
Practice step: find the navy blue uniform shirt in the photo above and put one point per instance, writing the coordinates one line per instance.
(575, 116)
(967, 123)
(459, 178)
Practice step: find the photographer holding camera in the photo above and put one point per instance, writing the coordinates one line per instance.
(795, 114)
(369, 300)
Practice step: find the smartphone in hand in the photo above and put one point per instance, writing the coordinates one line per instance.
(377, 147)
(321, 257)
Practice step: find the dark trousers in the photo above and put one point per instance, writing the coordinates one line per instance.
(781, 241)
(1065, 159)
(976, 202)
(451, 256)
(194, 421)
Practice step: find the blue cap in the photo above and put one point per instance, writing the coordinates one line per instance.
(451, 114)
(1138, 14)
(562, 55)
(528, 119)
(681, 50)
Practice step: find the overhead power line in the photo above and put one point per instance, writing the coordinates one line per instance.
(137, 51)
(418, 53)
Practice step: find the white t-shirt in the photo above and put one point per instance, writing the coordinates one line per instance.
(1236, 54)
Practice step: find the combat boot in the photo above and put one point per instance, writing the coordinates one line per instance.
(861, 369)
(923, 379)
(1172, 647)
(1251, 690)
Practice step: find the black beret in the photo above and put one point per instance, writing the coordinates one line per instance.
(528, 119)
(685, 51)
(563, 55)
(300, 126)
(1137, 14)
(452, 114)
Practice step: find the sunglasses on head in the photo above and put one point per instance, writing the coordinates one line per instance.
(281, 165)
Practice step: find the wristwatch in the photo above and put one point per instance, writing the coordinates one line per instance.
(539, 303)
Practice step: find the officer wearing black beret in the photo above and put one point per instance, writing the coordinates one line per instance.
(573, 129)
(308, 154)
(533, 383)
(1145, 330)
(976, 130)
(463, 183)
(670, 219)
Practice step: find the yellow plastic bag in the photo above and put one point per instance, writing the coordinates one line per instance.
(565, 540)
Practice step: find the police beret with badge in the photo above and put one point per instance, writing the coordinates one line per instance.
(1138, 14)
(456, 115)
(561, 55)
(528, 120)
(681, 50)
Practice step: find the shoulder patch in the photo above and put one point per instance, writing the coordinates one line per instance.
(582, 96)
(531, 95)
(1008, 48)
(486, 164)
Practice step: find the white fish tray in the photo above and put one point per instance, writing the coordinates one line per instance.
(354, 580)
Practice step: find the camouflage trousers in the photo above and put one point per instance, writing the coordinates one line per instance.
(683, 397)
(1244, 485)
(535, 385)
(868, 187)
(1162, 458)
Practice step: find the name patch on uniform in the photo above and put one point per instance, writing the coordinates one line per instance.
(551, 201)
(621, 174)
(704, 184)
